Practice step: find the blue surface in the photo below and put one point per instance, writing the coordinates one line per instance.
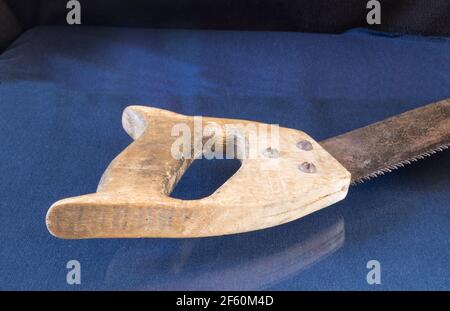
(62, 91)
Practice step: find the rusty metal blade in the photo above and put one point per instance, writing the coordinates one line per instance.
(389, 144)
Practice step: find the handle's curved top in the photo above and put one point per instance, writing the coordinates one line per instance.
(278, 181)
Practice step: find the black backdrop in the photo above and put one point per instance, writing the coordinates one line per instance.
(428, 17)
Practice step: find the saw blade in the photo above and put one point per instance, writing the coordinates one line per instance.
(387, 145)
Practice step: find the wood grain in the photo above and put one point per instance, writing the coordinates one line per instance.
(133, 197)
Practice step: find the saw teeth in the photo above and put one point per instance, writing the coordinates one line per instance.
(396, 166)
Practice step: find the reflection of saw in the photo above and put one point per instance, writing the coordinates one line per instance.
(253, 261)
(133, 197)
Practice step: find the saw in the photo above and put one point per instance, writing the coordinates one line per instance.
(279, 180)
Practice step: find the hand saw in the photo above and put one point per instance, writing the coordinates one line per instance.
(133, 196)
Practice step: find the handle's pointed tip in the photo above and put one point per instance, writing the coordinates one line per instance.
(51, 222)
(134, 121)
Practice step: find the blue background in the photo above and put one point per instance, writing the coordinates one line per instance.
(62, 91)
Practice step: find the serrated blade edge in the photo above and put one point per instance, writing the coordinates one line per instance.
(381, 147)
(399, 165)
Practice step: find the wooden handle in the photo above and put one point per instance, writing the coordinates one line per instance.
(277, 182)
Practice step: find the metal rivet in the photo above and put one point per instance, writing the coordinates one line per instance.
(307, 167)
(304, 145)
(271, 153)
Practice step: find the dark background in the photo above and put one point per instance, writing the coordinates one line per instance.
(428, 17)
